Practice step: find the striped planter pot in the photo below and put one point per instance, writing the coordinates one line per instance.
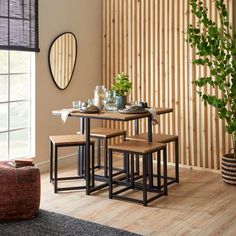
(228, 169)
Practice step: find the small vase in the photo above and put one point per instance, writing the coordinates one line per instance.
(120, 102)
(110, 102)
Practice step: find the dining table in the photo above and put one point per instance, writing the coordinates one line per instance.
(85, 124)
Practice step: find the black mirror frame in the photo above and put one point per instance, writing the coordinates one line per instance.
(49, 52)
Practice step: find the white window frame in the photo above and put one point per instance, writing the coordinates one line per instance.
(31, 101)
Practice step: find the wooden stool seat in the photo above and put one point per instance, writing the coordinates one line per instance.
(100, 132)
(145, 149)
(163, 138)
(106, 133)
(70, 140)
(139, 147)
(160, 138)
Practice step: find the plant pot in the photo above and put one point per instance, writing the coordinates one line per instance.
(120, 101)
(228, 169)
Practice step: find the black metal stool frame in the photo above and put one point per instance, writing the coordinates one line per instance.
(132, 185)
(54, 179)
(171, 180)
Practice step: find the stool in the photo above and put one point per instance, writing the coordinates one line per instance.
(67, 141)
(144, 149)
(105, 134)
(163, 138)
(19, 192)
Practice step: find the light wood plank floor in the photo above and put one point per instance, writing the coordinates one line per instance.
(200, 205)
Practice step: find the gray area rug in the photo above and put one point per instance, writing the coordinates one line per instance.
(50, 223)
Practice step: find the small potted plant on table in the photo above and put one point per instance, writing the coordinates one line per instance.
(121, 87)
(215, 47)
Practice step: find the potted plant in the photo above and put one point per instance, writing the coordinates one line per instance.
(121, 87)
(215, 49)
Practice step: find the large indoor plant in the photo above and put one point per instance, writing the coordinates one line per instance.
(122, 86)
(214, 46)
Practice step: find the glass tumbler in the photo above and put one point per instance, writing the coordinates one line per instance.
(77, 104)
(110, 102)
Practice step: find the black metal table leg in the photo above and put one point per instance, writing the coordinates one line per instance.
(132, 169)
(165, 171)
(105, 157)
(99, 153)
(80, 166)
(83, 160)
(149, 140)
(87, 156)
(110, 175)
(136, 131)
(149, 128)
(159, 170)
(92, 168)
(137, 164)
(136, 126)
(144, 181)
(177, 160)
(55, 169)
(127, 165)
(150, 170)
(51, 160)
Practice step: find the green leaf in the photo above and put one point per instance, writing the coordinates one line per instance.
(215, 48)
(122, 85)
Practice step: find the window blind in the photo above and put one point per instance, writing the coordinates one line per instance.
(19, 25)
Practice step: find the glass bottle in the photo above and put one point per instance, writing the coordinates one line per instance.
(100, 94)
(110, 101)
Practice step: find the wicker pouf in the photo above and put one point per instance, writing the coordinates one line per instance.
(19, 192)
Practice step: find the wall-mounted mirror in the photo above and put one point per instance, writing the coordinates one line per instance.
(62, 59)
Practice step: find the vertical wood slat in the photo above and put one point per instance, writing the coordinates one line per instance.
(146, 40)
(181, 82)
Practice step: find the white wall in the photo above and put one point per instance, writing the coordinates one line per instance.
(84, 19)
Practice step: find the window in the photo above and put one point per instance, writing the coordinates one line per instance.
(18, 31)
(17, 106)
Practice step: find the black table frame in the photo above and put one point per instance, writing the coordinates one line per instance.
(85, 120)
(90, 189)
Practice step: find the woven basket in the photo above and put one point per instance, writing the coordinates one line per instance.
(228, 169)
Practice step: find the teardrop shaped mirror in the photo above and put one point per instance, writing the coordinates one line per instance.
(62, 59)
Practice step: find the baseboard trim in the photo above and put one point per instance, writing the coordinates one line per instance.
(71, 159)
(65, 161)
(189, 167)
(195, 168)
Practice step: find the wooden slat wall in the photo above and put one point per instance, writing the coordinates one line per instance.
(146, 40)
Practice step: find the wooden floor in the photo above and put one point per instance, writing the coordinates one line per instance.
(200, 205)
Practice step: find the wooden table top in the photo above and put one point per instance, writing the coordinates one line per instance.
(116, 116)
